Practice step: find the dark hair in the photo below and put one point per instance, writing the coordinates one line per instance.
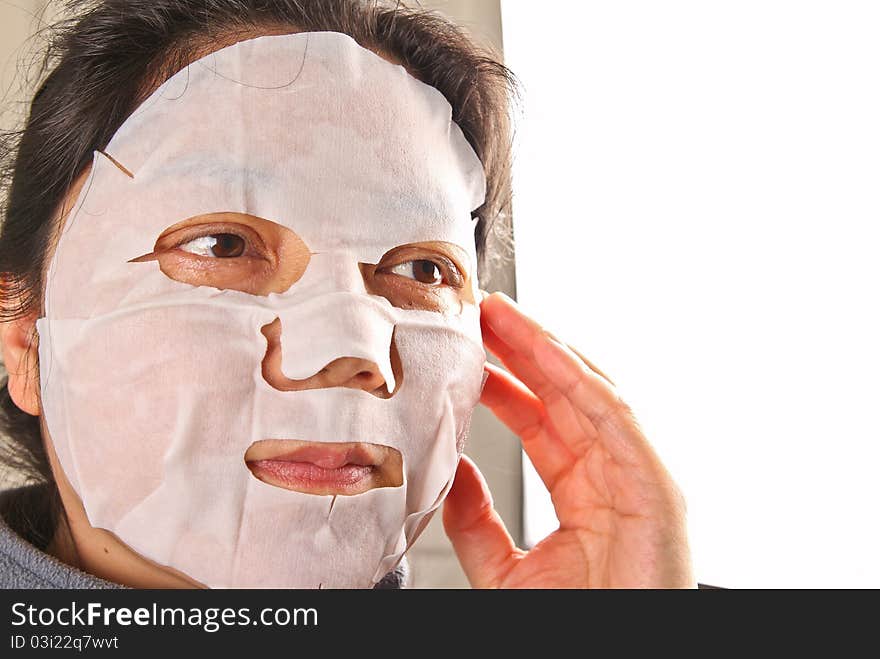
(108, 58)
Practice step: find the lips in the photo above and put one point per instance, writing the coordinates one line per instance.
(336, 468)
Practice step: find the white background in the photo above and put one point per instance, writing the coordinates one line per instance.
(697, 196)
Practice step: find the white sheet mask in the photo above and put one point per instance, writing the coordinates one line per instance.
(152, 389)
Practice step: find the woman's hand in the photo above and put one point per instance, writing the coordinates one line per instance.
(621, 516)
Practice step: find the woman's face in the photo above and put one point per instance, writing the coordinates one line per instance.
(243, 252)
(203, 325)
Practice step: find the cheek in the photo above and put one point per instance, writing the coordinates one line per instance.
(146, 381)
(443, 371)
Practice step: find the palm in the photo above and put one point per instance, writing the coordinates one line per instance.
(621, 516)
(602, 539)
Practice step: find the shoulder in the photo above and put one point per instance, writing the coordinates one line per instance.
(396, 579)
(22, 565)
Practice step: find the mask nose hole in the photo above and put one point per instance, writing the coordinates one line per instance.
(350, 372)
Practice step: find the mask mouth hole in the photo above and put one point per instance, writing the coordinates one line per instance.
(324, 468)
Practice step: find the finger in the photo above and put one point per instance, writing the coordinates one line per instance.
(521, 411)
(490, 309)
(599, 403)
(571, 426)
(511, 336)
(483, 546)
(520, 364)
(581, 356)
(564, 375)
(511, 401)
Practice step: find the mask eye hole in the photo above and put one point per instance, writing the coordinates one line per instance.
(432, 276)
(434, 271)
(231, 251)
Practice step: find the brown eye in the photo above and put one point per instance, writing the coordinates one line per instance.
(429, 276)
(427, 272)
(217, 245)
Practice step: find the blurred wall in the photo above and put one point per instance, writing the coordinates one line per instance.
(492, 446)
(18, 20)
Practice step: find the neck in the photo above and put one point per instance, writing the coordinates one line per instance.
(61, 546)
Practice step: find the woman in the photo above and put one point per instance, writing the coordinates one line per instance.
(622, 519)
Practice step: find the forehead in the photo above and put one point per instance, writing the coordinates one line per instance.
(309, 130)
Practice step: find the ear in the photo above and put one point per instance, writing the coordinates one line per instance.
(19, 343)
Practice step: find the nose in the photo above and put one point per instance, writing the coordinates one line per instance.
(351, 372)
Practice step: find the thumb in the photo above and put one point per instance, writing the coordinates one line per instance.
(484, 547)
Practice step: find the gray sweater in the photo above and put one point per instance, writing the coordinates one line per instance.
(22, 565)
